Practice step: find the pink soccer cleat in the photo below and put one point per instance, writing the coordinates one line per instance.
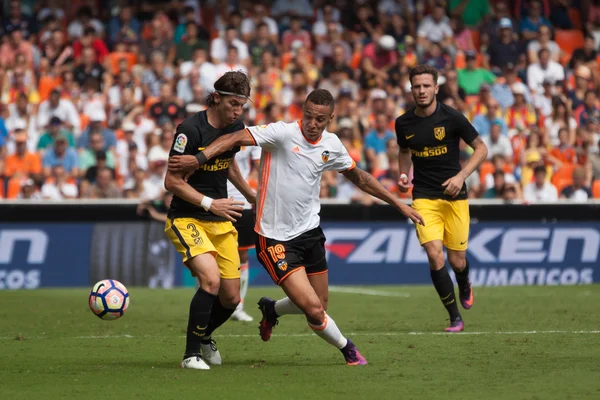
(457, 325)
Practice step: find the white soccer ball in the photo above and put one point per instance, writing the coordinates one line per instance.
(109, 299)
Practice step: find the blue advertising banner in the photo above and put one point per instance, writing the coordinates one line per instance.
(44, 255)
(500, 254)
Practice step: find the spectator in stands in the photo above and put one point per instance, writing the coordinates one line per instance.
(498, 186)
(321, 26)
(55, 130)
(21, 115)
(105, 187)
(564, 151)
(473, 182)
(531, 24)
(157, 72)
(435, 28)
(471, 78)
(90, 39)
(376, 143)
(189, 43)
(97, 120)
(543, 42)
(501, 163)
(167, 105)
(59, 186)
(261, 43)
(63, 109)
(560, 118)
(578, 191)
(520, 114)
(15, 44)
(252, 23)
(22, 163)
(451, 89)
(497, 143)
(85, 18)
(61, 154)
(29, 191)
(587, 54)
(544, 69)
(89, 68)
(89, 156)
(232, 63)
(502, 50)
(589, 108)
(542, 102)
(219, 47)
(483, 122)
(540, 190)
(583, 80)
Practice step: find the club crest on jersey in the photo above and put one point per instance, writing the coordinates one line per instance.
(282, 265)
(325, 156)
(439, 133)
(180, 143)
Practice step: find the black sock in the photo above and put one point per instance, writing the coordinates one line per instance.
(218, 316)
(445, 289)
(200, 310)
(463, 276)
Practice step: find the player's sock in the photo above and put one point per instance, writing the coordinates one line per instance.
(200, 313)
(462, 277)
(244, 275)
(218, 316)
(329, 332)
(445, 289)
(285, 306)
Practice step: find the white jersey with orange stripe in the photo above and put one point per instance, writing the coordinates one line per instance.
(290, 174)
(244, 158)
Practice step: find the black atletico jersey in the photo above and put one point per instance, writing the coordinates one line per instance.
(433, 142)
(210, 179)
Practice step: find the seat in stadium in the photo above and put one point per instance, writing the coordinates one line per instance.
(485, 169)
(569, 40)
(596, 189)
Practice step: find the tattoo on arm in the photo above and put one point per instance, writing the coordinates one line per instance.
(359, 177)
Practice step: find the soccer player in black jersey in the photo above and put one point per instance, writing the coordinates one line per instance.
(429, 136)
(199, 220)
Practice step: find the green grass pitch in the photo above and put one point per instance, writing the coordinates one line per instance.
(520, 343)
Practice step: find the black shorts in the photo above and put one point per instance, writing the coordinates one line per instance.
(282, 258)
(245, 228)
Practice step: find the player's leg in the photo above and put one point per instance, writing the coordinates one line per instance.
(457, 223)
(224, 238)
(246, 239)
(431, 236)
(199, 256)
(299, 290)
(240, 314)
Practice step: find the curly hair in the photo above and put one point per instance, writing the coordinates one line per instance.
(232, 82)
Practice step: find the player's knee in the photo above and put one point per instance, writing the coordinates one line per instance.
(457, 260)
(436, 258)
(324, 302)
(210, 282)
(315, 314)
(243, 256)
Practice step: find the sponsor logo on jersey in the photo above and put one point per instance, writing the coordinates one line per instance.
(180, 143)
(439, 133)
(430, 151)
(219, 164)
(325, 156)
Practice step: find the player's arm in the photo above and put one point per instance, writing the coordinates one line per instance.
(222, 144)
(368, 184)
(404, 157)
(236, 178)
(468, 133)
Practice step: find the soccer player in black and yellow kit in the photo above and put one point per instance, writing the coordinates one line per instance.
(430, 134)
(199, 220)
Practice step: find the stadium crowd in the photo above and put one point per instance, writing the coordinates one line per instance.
(91, 90)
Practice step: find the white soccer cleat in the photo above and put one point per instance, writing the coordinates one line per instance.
(241, 315)
(211, 353)
(194, 362)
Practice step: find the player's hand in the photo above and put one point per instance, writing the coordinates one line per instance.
(454, 185)
(183, 163)
(409, 212)
(227, 208)
(141, 208)
(403, 185)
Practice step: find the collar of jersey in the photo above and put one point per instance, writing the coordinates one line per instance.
(304, 136)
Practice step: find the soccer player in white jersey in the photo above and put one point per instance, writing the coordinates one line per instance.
(247, 159)
(291, 244)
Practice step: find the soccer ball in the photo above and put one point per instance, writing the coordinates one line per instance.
(109, 299)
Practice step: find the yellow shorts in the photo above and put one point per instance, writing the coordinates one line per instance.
(445, 220)
(193, 237)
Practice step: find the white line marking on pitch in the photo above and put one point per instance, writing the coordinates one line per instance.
(291, 335)
(369, 292)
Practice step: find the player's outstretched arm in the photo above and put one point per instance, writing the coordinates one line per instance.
(368, 184)
(236, 178)
(219, 146)
(227, 208)
(454, 185)
(404, 162)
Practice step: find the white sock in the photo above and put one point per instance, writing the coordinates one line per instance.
(329, 332)
(285, 306)
(244, 275)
